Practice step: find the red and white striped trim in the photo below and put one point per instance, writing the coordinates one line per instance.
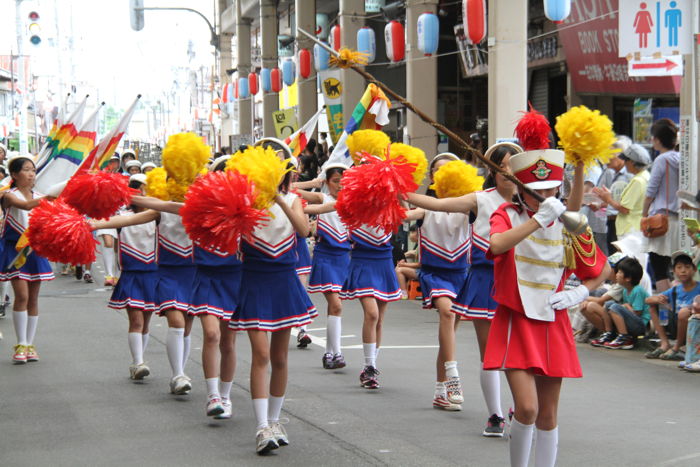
(473, 313)
(131, 303)
(254, 324)
(370, 292)
(436, 293)
(18, 274)
(322, 288)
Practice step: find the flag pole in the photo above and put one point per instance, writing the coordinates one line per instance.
(574, 225)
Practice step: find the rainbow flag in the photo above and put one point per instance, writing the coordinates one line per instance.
(100, 155)
(298, 140)
(371, 113)
(67, 161)
(65, 133)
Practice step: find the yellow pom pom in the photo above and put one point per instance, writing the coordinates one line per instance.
(263, 168)
(412, 155)
(456, 178)
(374, 142)
(184, 156)
(585, 135)
(156, 184)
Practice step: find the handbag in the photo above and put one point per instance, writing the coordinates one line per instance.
(656, 225)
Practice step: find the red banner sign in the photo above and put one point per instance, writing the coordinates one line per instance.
(590, 40)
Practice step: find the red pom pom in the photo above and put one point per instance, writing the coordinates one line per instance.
(219, 210)
(371, 192)
(98, 195)
(61, 234)
(533, 130)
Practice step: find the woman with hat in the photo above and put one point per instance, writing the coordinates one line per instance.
(26, 278)
(474, 300)
(530, 336)
(631, 201)
(133, 167)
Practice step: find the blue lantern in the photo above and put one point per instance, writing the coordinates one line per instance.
(428, 33)
(288, 72)
(243, 88)
(322, 26)
(367, 43)
(557, 10)
(266, 80)
(321, 58)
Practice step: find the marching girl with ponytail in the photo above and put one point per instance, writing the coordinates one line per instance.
(443, 246)
(330, 262)
(26, 280)
(474, 300)
(135, 291)
(272, 298)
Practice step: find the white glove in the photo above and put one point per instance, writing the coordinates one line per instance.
(568, 298)
(550, 209)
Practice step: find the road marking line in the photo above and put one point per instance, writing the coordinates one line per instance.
(384, 347)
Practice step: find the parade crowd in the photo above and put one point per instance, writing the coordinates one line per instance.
(499, 257)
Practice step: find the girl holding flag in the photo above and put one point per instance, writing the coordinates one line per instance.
(27, 277)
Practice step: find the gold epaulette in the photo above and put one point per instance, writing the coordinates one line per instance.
(582, 246)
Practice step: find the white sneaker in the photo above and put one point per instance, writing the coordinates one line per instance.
(454, 390)
(265, 441)
(228, 410)
(279, 432)
(693, 367)
(214, 407)
(180, 385)
(440, 402)
(139, 372)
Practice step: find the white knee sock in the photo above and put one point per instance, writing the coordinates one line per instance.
(520, 443)
(546, 447)
(4, 289)
(275, 408)
(108, 260)
(440, 389)
(260, 409)
(370, 351)
(32, 322)
(145, 338)
(491, 388)
(187, 342)
(213, 387)
(174, 344)
(136, 347)
(451, 370)
(333, 334)
(226, 389)
(19, 319)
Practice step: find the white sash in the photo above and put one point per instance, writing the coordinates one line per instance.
(539, 264)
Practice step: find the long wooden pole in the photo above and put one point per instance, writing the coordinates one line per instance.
(450, 134)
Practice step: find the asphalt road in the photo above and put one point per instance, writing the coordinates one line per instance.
(77, 406)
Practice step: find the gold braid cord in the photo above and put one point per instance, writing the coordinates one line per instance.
(581, 246)
(347, 58)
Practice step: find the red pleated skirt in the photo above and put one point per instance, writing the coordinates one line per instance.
(518, 342)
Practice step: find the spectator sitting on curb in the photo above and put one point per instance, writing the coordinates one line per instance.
(692, 353)
(629, 318)
(680, 299)
(604, 294)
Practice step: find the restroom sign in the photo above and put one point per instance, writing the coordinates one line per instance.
(655, 27)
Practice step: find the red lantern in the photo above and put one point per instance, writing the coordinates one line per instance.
(335, 37)
(395, 41)
(235, 90)
(474, 17)
(304, 63)
(276, 78)
(253, 83)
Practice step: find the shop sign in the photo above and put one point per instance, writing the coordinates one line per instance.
(589, 37)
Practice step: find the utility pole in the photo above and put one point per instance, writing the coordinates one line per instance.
(19, 24)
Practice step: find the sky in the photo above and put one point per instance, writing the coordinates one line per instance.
(107, 54)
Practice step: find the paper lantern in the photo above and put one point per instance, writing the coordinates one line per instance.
(428, 33)
(335, 37)
(367, 43)
(322, 26)
(304, 58)
(253, 83)
(288, 72)
(321, 58)
(557, 10)
(395, 41)
(225, 97)
(276, 79)
(243, 91)
(474, 18)
(235, 90)
(266, 80)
